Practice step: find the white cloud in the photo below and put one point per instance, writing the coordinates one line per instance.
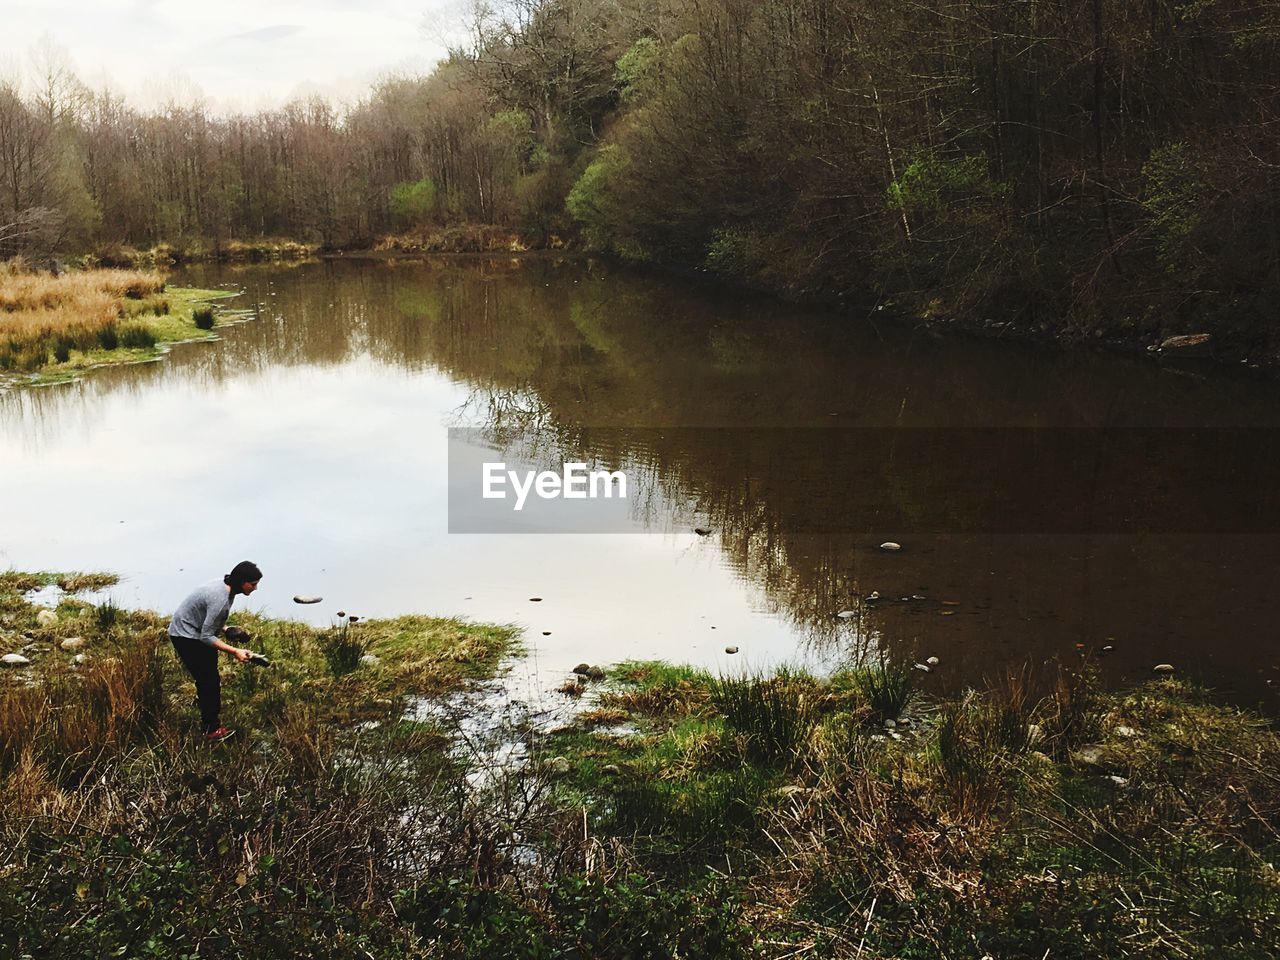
(242, 54)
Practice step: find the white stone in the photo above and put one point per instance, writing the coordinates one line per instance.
(15, 660)
(890, 547)
(46, 618)
(73, 643)
(932, 661)
(369, 660)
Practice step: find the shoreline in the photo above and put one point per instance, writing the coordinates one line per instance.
(478, 242)
(733, 817)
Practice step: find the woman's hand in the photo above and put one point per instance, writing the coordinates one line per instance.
(241, 654)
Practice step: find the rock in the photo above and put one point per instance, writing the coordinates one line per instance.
(918, 596)
(369, 660)
(702, 531)
(946, 613)
(730, 649)
(890, 547)
(46, 618)
(611, 768)
(847, 614)
(78, 659)
(924, 667)
(1090, 756)
(1107, 648)
(791, 790)
(1163, 668)
(1120, 782)
(558, 766)
(1124, 731)
(535, 599)
(546, 633)
(73, 643)
(342, 613)
(306, 598)
(932, 661)
(582, 669)
(1188, 345)
(950, 603)
(890, 724)
(873, 595)
(595, 673)
(15, 660)
(894, 735)
(1035, 734)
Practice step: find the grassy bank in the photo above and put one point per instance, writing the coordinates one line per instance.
(1080, 824)
(54, 327)
(681, 815)
(161, 255)
(124, 834)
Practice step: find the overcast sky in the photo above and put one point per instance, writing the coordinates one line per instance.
(240, 54)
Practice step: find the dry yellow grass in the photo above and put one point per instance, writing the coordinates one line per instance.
(38, 307)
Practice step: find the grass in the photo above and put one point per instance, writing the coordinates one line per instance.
(682, 815)
(887, 687)
(52, 328)
(976, 828)
(295, 837)
(772, 715)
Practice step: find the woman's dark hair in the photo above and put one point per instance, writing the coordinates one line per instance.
(243, 572)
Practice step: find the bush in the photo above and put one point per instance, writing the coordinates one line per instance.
(414, 201)
(135, 336)
(108, 338)
(203, 317)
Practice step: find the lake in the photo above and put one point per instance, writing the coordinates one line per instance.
(1048, 504)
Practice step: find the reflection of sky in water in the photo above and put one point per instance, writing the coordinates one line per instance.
(314, 441)
(334, 480)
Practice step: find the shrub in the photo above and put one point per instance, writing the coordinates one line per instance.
(136, 336)
(108, 338)
(203, 317)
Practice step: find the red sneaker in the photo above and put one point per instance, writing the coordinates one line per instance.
(222, 733)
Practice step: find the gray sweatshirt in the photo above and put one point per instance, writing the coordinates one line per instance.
(203, 613)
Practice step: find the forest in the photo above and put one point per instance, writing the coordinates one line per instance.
(1078, 167)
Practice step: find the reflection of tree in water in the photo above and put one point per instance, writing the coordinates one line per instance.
(559, 352)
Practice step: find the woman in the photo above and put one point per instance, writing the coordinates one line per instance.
(194, 633)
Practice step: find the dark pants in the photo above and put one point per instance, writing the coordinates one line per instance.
(201, 661)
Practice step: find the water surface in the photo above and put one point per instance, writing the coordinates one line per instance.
(314, 440)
